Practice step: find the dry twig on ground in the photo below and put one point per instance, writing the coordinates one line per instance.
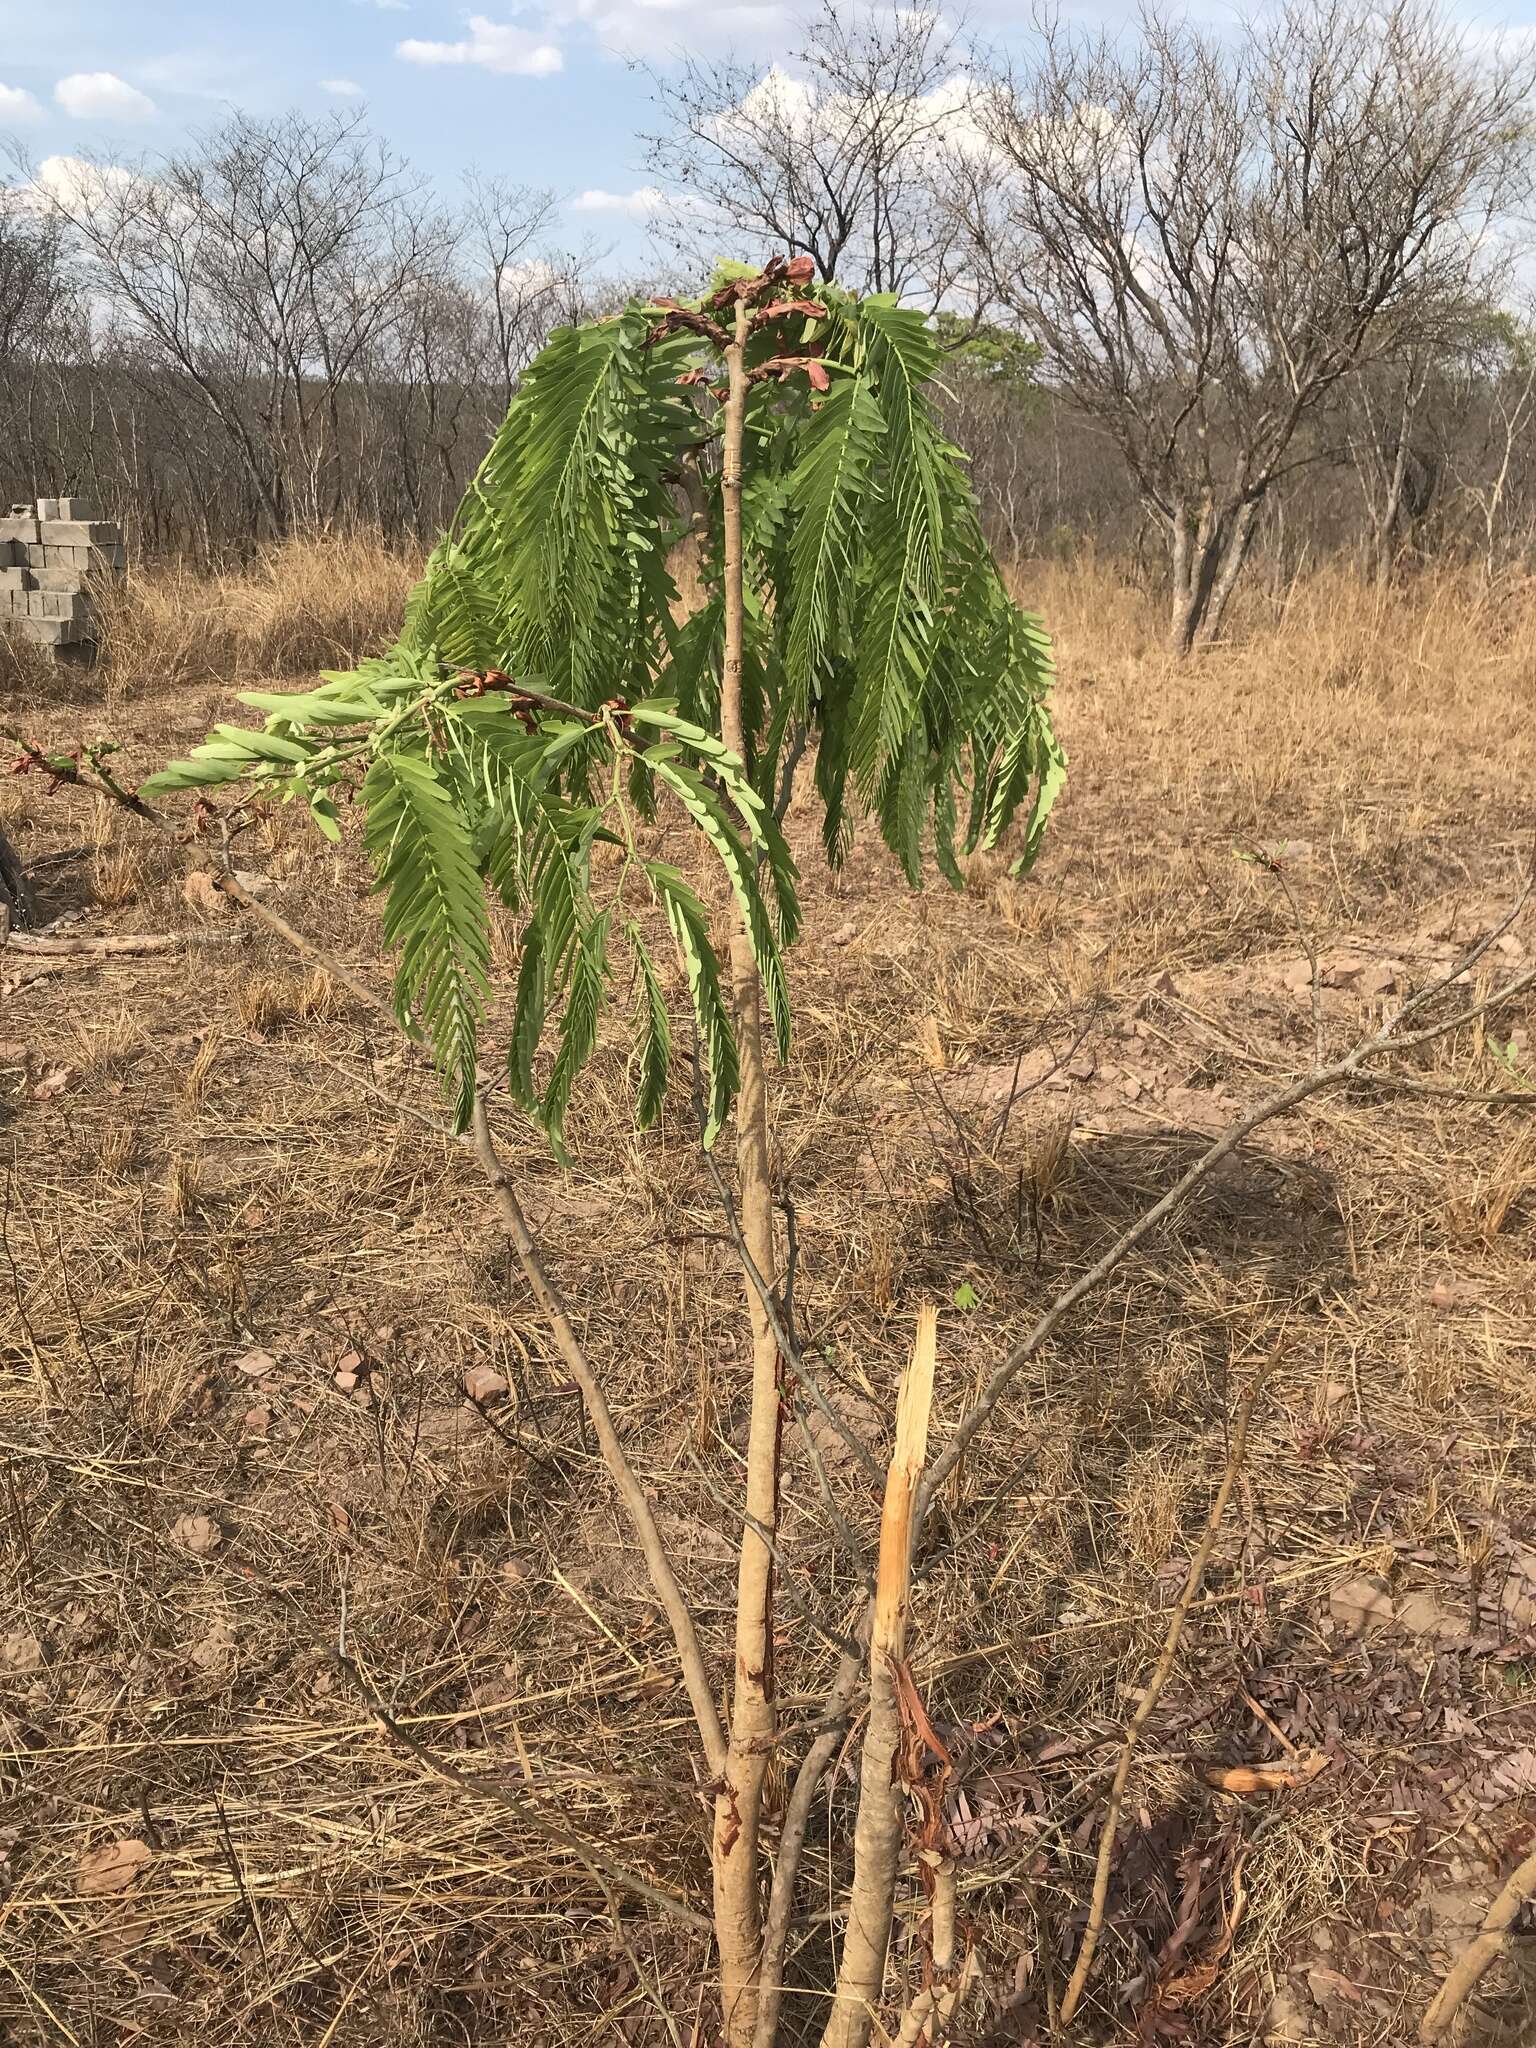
(1465, 1974)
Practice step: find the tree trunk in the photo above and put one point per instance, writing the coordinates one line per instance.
(738, 1803)
(1239, 540)
(1385, 537)
(1182, 620)
(1205, 566)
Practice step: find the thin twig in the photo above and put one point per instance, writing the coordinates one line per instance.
(1149, 1700)
(844, 1532)
(631, 1492)
(1473, 1098)
(842, 1644)
(1271, 866)
(31, 945)
(291, 936)
(836, 1712)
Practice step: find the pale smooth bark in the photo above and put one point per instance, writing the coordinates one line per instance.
(738, 1804)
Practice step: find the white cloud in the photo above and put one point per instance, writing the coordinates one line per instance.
(646, 202)
(927, 126)
(16, 104)
(344, 88)
(76, 186)
(102, 96)
(493, 46)
(640, 204)
(388, 6)
(620, 28)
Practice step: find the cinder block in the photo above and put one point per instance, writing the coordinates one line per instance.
(52, 632)
(79, 533)
(55, 579)
(64, 604)
(15, 579)
(79, 508)
(21, 526)
(79, 562)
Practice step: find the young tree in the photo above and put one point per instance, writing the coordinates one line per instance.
(1209, 234)
(544, 702)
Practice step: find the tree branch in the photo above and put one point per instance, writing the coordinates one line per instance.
(679, 1615)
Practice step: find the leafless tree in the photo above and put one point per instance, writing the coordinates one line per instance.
(277, 326)
(835, 158)
(526, 294)
(284, 331)
(1382, 407)
(1209, 235)
(34, 286)
(259, 268)
(1497, 462)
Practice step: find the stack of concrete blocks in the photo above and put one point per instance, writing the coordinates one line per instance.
(48, 554)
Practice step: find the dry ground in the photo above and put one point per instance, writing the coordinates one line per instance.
(241, 1286)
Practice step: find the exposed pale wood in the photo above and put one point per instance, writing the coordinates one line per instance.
(1486, 1945)
(878, 1830)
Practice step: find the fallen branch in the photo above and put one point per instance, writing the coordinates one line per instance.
(1145, 1710)
(35, 944)
(1486, 1946)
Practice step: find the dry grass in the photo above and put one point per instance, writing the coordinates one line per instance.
(303, 606)
(233, 1283)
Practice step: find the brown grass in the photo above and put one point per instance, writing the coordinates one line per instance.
(303, 606)
(224, 1177)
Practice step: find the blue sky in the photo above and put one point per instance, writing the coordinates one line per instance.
(541, 91)
(545, 92)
